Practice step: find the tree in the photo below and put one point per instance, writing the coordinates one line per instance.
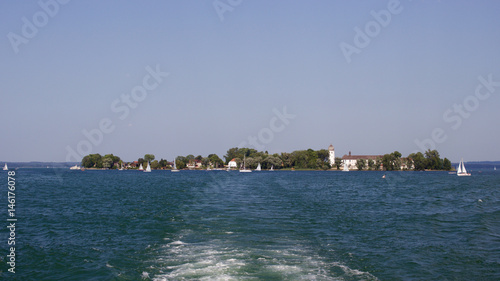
(418, 160)
(181, 162)
(338, 162)
(107, 162)
(272, 161)
(163, 163)
(360, 164)
(392, 161)
(323, 155)
(286, 159)
(140, 160)
(149, 157)
(371, 163)
(92, 161)
(155, 164)
(446, 164)
(433, 160)
(215, 160)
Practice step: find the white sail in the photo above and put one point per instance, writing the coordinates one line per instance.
(175, 168)
(272, 168)
(5, 168)
(141, 168)
(346, 168)
(258, 168)
(148, 168)
(461, 169)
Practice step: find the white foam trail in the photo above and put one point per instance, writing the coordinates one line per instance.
(220, 260)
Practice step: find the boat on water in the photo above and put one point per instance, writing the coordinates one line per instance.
(346, 168)
(141, 168)
(461, 171)
(258, 168)
(495, 168)
(5, 168)
(272, 168)
(244, 169)
(148, 169)
(76, 167)
(174, 170)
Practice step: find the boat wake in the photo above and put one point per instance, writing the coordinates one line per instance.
(220, 260)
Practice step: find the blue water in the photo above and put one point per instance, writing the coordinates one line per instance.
(218, 225)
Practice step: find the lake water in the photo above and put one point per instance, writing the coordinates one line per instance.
(218, 225)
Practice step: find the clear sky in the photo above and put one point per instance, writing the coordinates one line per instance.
(199, 77)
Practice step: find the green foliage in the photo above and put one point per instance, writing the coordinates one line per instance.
(371, 164)
(272, 161)
(392, 161)
(181, 162)
(360, 164)
(338, 162)
(215, 160)
(446, 164)
(162, 163)
(92, 161)
(149, 157)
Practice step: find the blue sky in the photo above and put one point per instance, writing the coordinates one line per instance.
(232, 73)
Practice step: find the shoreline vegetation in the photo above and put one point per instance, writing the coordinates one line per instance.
(298, 160)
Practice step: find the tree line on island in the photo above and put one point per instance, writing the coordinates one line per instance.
(299, 159)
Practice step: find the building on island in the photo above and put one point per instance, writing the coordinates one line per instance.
(232, 164)
(351, 160)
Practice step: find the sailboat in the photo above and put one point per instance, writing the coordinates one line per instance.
(272, 168)
(245, 170)
(76, 167)
(5, 168)
(461, 169)
(346, 169)
(175, 168)
(258, 168)
(141, 168)
(148, 169)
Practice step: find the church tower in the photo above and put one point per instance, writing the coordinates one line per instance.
(331, 149)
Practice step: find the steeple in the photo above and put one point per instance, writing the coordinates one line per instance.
(331, 157)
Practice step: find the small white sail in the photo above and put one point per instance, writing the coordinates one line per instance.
(346, 168)
(175, 168)
(258, 168)
(272, 168)
(141, 168)
(5, 168)
(148, 169)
